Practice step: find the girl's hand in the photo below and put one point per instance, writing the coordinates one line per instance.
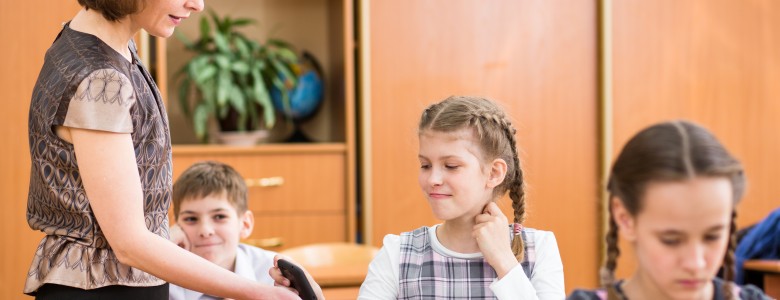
(178, 237)
(492, 235)
(281, 281)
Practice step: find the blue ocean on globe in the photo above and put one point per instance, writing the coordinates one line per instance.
(304, 98)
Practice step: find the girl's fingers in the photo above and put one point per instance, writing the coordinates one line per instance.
(493, 209)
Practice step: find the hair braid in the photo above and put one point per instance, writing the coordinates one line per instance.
(613, 252)
(728, 259)
(514, 180)
(516, 188)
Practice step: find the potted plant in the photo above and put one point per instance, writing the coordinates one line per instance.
(231, 76)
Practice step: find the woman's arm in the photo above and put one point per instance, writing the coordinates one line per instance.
(108, 169)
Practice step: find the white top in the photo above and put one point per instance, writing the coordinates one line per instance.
(546, 280)
(251, 263)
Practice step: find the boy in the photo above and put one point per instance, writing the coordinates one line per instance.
(210, 206)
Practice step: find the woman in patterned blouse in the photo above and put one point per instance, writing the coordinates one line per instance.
(100, 181)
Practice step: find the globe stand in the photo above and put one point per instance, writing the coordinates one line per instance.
(305, 100)
(298, 136)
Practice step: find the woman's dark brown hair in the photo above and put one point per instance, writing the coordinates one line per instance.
(494, 133)
(670, 151)
(113, 10)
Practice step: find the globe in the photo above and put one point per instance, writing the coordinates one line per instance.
(305, 97)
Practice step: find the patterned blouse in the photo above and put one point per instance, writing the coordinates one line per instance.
(86, 84)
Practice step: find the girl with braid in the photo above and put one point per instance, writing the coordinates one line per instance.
(468, 160)
(673, 192)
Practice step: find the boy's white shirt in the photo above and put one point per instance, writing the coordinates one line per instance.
(546, 280)
(251, 263)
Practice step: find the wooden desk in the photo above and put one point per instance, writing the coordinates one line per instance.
(339, 283)
(334, 276)
(341, 293)
(771, 270)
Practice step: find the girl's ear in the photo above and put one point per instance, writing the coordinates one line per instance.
(624, 220)
(497, 173)
(247, 224)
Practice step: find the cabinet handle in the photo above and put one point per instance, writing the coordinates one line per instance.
(265, 182)
(272, 242)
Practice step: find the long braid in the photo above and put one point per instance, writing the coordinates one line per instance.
(613, 252)
(728, 259)
(514, 179)
(516, 191)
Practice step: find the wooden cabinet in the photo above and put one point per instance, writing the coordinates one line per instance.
(300, 193)
(297, 193)
(538, 58)
(27, 28)
(713, 62)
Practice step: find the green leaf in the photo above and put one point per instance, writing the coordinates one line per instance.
(263, 98)
(214, 18)
(252, 111)
(206, 73)
(223, 61)
(279, 43)
(242, 47)
(224, 87)
(240, 67)
(184, 95)
(279, 84)
(238, 102)
(287, 54)
(221, 42)
(205, 27)
(286, 73)
(208, 92)
(242, 22)
(200, 122)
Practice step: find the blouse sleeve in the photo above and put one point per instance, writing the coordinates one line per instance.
(102, 102)
(382, 278)
(546, 280)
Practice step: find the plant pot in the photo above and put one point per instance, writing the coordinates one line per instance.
(241, 138)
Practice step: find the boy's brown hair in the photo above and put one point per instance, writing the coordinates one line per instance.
(210, 178)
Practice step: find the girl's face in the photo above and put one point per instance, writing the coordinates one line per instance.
(680, 236)
(452, 175)
(160, 17)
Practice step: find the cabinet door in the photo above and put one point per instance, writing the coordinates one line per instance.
(538, 58)
(713, 62)
(27, 28)
(296, 198)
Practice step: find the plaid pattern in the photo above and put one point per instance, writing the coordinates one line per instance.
(427, 274)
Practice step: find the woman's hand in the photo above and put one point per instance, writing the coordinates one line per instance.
(492, 235)
(281, 281)
(178, 237)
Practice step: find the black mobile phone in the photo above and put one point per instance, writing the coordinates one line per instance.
(298, 279)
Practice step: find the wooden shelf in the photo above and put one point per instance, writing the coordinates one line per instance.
(210, 149)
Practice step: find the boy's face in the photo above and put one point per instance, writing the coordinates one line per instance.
(214, 228)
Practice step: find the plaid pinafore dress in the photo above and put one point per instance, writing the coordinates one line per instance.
(427, 274)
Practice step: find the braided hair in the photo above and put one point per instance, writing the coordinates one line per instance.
(496, 137)
(669, 151)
